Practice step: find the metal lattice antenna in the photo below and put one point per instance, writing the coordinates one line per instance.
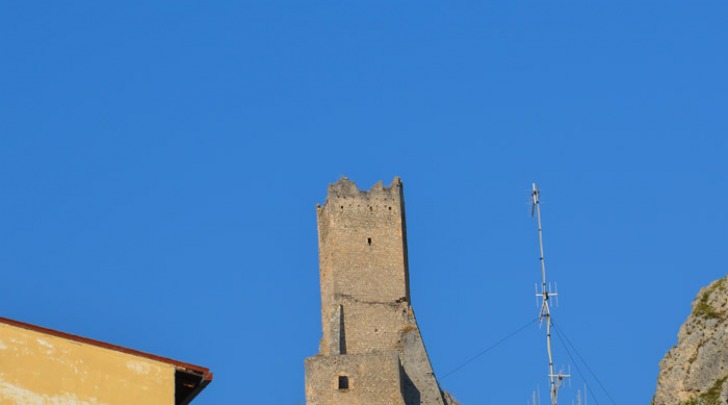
(545, 294)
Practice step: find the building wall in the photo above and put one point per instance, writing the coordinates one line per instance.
(362, 251)
(372, 378)
(365, 300)
(40, 369)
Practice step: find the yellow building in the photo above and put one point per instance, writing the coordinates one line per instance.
(40, 366)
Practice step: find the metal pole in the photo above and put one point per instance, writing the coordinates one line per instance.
(554, 379)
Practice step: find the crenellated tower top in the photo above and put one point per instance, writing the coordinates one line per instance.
(362, 243)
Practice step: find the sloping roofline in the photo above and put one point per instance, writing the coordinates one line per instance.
(190, 379)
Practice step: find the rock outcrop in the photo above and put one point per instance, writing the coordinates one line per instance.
(695, 371)
(449, 400)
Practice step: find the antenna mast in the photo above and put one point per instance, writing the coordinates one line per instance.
(545, 293)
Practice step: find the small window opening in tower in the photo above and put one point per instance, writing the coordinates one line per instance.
(343, 382)
(369, 241)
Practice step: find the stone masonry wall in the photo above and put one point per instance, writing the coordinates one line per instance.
(372, 378)
(365, 304)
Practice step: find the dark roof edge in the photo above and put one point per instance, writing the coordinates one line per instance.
(198, 388)
(202, 371)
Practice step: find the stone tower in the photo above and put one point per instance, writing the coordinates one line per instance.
(371, 351)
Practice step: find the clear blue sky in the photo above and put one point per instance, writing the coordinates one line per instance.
(160, 163)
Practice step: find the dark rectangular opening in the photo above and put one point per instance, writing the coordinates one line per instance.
(343, 382)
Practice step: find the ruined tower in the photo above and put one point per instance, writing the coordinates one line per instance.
(371, 351)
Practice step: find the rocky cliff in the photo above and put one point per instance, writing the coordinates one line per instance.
(449, 400)
(695, 371)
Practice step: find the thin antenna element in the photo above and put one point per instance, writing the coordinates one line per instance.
(545, 293)
(536, 396)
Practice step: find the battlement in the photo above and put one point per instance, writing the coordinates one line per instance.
(347, 189)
